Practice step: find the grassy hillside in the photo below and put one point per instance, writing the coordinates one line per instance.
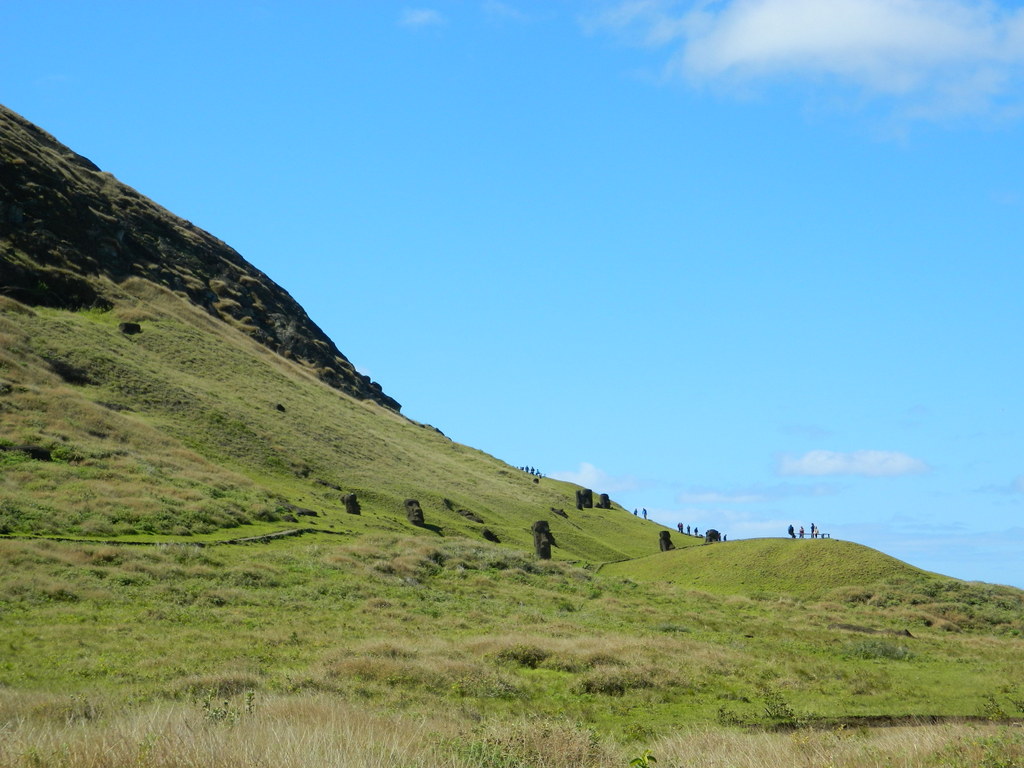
(136, 630)
(801, 568)
(102, 643)
(192, 429)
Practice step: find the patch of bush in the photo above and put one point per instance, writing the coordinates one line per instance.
(877, 648)
(613, 681)
(529, 656)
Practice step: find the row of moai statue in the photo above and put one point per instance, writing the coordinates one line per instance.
(414, 514)
(413, 510)
(665, 539)
(585, 500)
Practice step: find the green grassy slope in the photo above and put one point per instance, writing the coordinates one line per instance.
(802, 568)
(415, 624)
(191, 428)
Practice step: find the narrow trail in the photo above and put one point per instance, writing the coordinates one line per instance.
(215, 543)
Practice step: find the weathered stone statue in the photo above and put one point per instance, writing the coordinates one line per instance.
(490, 535)
(711, 535)
(665, 541)
(603, 502)
(413, 511)
(584, 499)
(558, 511)
(542, 539)
(470, 515)
(351, 503)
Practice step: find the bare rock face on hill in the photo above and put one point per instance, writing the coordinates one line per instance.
(69, 233)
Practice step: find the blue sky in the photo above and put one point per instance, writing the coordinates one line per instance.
(744, 263)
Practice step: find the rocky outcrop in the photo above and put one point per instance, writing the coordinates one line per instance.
(70, 233)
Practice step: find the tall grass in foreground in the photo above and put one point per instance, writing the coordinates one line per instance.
(316, 732)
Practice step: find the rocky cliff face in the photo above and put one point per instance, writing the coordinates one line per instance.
(65, 225)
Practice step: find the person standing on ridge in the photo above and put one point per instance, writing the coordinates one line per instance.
(791, 532)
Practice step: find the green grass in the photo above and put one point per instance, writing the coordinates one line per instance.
(800, 568)
(407, 622)
(178, 432)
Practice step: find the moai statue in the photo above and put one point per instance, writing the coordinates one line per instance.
(413, 512)
(603, 502)
(711, 535)
(351, 503)
(665, 541)
(559, 512)
(542, 539)
(584, 499)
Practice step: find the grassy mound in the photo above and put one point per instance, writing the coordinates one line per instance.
(802, 568)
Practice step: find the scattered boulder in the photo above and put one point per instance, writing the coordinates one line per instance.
(300, 511)
(470, 515)
(584, 499)
(665, 541)
(543, 539)
(129, 329)
(559, 512)
(711, 535)
(280, 407)
(413, 511)
(32, 451)
(351, 503)
(490, 535)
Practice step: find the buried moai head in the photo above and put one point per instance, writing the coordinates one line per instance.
(665, 541)
(584, 499)
(711, 535)
(351, 503)
(542, 539)
(413, 511)
(603, 502)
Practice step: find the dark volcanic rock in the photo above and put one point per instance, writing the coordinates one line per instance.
(70, 234)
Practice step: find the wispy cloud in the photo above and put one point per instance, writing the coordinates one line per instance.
(937, 57)
(503, 11)
(863, 463)
(590, 476)
(421, 17)
(1014, 488)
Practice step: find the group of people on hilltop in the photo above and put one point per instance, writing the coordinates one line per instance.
(815, 533)
(682, 529)
(532, 471)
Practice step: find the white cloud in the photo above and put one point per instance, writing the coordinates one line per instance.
(499, 10)
(939, 57)
(421, 17)
(590, 476)
(864, 463)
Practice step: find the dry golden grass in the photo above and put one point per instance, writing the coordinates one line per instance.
(898, 747)
(314, 731)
